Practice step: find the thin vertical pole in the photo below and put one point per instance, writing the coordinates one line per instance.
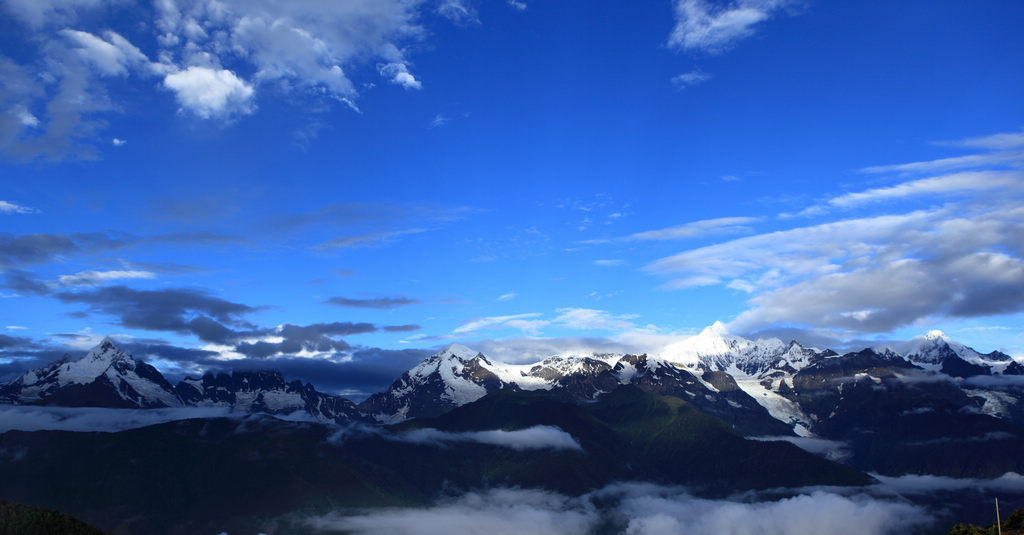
(999, 526)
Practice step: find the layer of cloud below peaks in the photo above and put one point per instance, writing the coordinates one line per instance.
(539, 437)
(95, 418)
(636, 509)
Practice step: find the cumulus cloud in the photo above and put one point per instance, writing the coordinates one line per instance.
(209, 92)
(112, 56)
(398, 73)
(706, 27)
(539, 437)
(202, 47)
(37, 13)
(33, 418)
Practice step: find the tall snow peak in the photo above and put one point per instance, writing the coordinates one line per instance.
(457, 350)
(716, 329)
(934, 347)
(105, 377)
(106, 350)
(936, 335)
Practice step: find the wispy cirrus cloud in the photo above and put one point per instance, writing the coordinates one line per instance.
(870, 274)
(873, 274)
(719, 225)
(689, 79)
(946, 164)
(524, 322)
(14, 208)
(93, 278)
(370, 239)
(383, 303)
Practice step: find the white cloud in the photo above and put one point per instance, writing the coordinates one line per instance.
(210, 92)
(946, 164)
(12, 208)
(440, 120)
(24, 116)
(369, 239)
(538, 437)
(495, 512)
(689, 79)
(506, 297)
(609, 262)
(956, 260)
(833, 450)
(712, 28)
(204, 45)
(591, 319)
(695, 229)
(656, 513)
(117, 142)
(644, 509)
(112, 57)
(927, 484)
(33, 418)
(398, 73)
(1001, 141)
(530, 350)
(517, 5)
(458, 11)
(90, 278)
(965, 182)
(514, 321)
(37, 13)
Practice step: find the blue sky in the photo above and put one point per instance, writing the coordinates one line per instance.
(337, 188)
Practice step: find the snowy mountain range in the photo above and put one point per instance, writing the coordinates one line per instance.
(109, 377)
(759, 387)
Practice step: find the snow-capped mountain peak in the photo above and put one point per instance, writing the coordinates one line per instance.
(105, 377)
(457, 350)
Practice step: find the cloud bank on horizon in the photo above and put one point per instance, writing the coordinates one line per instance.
(336, 189)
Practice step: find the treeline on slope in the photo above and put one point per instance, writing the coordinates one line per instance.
(1013, 525)
(245, 475)
(20, 519)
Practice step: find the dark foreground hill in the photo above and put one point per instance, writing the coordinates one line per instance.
(245, 475)
(20, 519)
(1012, 525)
